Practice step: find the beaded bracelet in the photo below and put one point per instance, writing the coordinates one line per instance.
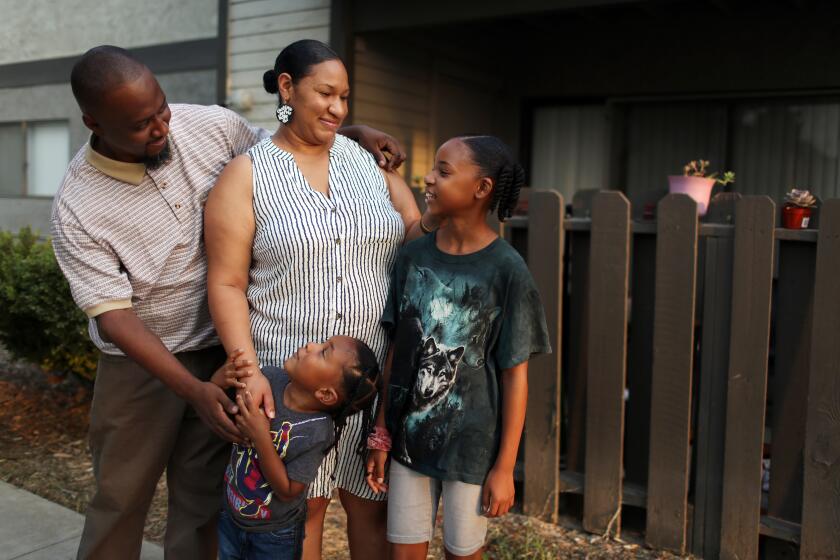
(379, 439)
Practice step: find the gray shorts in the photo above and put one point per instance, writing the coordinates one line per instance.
(412, 509)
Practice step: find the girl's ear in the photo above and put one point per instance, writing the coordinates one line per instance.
(485, 187)
(284, 85)
(327, 396)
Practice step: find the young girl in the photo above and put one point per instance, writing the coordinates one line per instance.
(321, 385)
(464, 317)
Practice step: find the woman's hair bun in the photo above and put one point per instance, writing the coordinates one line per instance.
(270, 81)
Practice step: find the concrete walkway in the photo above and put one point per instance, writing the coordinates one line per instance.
(32, 528)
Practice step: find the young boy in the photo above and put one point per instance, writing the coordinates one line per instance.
(265, 499)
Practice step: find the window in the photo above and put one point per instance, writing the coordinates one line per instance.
(33, 157)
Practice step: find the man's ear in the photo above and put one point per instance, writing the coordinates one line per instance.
(91, 124)
(327, 396)
(485, 187)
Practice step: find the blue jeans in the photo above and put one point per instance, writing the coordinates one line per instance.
(237, 544)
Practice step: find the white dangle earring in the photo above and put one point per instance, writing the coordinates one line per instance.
(284, 113)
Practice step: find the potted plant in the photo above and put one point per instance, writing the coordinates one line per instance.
(796, 212)
(697, 183)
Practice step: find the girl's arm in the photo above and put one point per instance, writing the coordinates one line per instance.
(403, 200)
(498, 493)
(255, 425)
(228, 236)
(375, 466)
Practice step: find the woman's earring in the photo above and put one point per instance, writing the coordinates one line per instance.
(284, 113)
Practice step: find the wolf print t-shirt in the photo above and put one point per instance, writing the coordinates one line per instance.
(301, 440)
(456, 321)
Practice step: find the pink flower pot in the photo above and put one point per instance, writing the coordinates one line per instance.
(698, 188)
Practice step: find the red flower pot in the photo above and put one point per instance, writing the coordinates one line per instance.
(795, 217)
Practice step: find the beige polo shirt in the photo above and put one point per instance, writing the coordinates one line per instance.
(130, 237)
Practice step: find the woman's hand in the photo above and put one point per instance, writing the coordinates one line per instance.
(251, 421)
(375, 468)
(228, 376)
(498, 492)
(257, 384)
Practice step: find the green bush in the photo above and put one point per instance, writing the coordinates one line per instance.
(38, 320)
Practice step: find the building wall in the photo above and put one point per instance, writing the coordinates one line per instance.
(41, 29)
(258, 30)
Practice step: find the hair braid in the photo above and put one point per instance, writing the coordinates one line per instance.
(495, 161)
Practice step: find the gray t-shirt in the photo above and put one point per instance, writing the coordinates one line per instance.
(301, 440)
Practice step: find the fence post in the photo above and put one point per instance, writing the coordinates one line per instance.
(673, 354)
(608, 274)
(752, 280)
(711, 400)
(542, 421)
(821, 495)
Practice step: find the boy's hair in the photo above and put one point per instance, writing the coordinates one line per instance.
(360, 383)
(496, 161)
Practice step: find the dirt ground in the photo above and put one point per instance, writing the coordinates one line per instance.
(43, 449)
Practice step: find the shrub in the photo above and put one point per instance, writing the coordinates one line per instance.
(38, 320)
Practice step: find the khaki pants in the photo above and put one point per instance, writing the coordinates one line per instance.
(138, 427)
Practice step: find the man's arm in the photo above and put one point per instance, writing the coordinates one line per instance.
(385, 149)
(124, 328)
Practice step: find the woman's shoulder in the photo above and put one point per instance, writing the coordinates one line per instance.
(349, 148)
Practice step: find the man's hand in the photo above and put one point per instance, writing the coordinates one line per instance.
(251, 421)
(498, 492)
(257, 384)
(385, 149)
(375, 470)
(213, 407)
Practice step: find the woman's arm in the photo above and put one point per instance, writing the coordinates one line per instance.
(228, 237)
(498, 493)
(403, 200)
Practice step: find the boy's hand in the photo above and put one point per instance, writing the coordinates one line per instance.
(251, 421)
(498, 492)
(375, 470)
(257, 384)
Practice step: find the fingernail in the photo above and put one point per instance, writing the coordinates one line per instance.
(380, 480)
(233, 410)
(271, 414)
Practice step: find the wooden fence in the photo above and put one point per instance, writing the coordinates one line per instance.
(668, 335)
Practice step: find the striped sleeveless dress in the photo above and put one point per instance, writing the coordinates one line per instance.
(320, 266)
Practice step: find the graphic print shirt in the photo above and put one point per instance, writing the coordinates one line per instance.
(301, 439)
(457, 321)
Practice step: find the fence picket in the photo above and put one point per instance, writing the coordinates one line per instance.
(821, 495)
(673, 352)
(747, 381)
(608, 276)
(542, 422)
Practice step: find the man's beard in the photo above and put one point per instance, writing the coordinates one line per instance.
(162, 157)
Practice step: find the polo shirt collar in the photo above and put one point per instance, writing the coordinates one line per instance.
(126, 172)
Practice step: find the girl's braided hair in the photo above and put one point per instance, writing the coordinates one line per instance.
(360, 384)
(495, 161)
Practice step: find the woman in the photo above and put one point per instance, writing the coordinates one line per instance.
(301, 235)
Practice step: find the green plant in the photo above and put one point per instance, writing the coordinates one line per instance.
(800, 197)
(38, 320)
(697, 168)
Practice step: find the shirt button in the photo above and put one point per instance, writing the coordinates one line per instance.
(338, 279)
(177, 207)
(338, 315)
(333, 210)
(163, 186)
(337, 241)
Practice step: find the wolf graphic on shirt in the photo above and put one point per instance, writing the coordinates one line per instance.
(248, 492)
(435, 374)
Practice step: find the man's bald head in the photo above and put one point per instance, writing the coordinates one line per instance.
(101, 70)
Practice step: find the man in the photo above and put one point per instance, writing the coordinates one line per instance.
(127, 232)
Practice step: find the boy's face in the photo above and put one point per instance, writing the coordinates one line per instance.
(318, 367)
